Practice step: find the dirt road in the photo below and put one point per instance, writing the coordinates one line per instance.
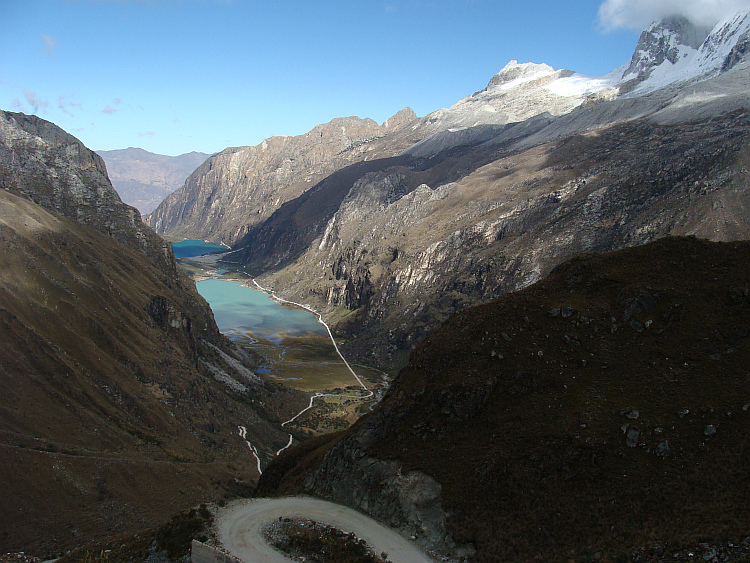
(240, 528)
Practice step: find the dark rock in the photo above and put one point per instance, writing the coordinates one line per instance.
(662, 450)
(632, 437)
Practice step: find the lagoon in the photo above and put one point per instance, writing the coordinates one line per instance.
(190, 248)
(240, 310)
(297, 349)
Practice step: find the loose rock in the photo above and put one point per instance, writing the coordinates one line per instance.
(632, 437)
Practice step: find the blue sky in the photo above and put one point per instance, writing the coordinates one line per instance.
(172, 76)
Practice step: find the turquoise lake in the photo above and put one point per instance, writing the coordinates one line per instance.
(190, 248)
(239, 309)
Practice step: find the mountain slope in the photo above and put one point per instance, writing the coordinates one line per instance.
(120, 401)
(45, 164)
(143, 179)
(241, 187)
(401, 252)
(604, 408)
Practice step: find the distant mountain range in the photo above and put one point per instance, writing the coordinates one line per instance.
(143, 179)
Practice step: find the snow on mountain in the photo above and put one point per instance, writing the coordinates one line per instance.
(516, 93)
(671, 57)
(669, 52)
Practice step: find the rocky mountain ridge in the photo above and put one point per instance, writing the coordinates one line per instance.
(240, 187)
(674, 52)
(395, 253)
(143, 179)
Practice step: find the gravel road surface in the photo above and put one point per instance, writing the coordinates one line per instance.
(240, 528)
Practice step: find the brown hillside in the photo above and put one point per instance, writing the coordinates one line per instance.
(603, 409)
(110, 420)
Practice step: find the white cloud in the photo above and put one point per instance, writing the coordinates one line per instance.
(66, 106)
(110, 109)
(638, 14)
(50, 43)
(35, 101)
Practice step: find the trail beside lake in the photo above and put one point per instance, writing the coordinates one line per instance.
(367, 393)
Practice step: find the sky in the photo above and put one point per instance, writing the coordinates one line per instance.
(174, 76)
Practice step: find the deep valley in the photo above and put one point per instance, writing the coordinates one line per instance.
(523, 331)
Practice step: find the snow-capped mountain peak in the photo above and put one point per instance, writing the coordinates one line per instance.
(675, 51)
(669, 40)
(515, 74)
(670, 52)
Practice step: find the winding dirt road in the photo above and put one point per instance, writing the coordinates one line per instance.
(240, 526)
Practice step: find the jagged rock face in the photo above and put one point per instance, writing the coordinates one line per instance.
(675, 51)
(143, 179)
(394, 261)
(662, 42)
(241, 187)
(736, 33)
(409, 501)
(739, 53)
(600, 406)
(40, 161)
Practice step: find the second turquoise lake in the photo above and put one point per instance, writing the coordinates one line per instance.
(239, 309)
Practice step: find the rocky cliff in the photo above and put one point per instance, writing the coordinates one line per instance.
(45, 164)
(599, 414)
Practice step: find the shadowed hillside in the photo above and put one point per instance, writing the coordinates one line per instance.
(120, 401)
(603, 409)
